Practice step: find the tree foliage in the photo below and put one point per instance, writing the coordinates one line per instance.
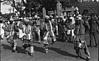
(48, 4)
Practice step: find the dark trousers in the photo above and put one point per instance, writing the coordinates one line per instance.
(92, 36)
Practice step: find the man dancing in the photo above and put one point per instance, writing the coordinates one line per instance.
(49, 32)
(79, 42)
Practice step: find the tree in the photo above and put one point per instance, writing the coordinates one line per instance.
(48, 4)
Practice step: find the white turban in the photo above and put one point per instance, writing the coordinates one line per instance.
(47, 17)
(79, 16)
(26, 19)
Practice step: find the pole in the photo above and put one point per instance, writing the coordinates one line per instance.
(14, 5)
(0, 6)
(44, 12)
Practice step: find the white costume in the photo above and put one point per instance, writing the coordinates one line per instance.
(27, 31)
(21, 31)
(49, 32)
(1, 30)
(72, 30)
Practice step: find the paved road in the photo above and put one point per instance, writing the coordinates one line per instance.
(60, 51)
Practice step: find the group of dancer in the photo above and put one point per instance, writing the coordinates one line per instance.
(47, 31)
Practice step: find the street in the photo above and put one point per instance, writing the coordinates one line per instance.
(60, 51)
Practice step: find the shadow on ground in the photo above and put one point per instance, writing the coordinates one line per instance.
(40, 49)
(21, 50)
(64, 53)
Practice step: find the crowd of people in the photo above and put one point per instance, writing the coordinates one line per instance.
(68, 27)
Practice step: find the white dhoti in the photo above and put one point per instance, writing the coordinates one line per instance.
(53, 35)
(71, 32)
(1, 30)
(21, 34)
(68, 32)
(29, 36)
(47, 34)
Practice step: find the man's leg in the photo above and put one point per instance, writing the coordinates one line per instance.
(46, 47)
(14, 46)
(46, 42)
(39, 37)
(57, 30)
(91, 38)
(95, 41)
(25, 45)
(54, 38)
(73, 35)
(86, 50)
(31, 50)
(68, 35)
(78, 52)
